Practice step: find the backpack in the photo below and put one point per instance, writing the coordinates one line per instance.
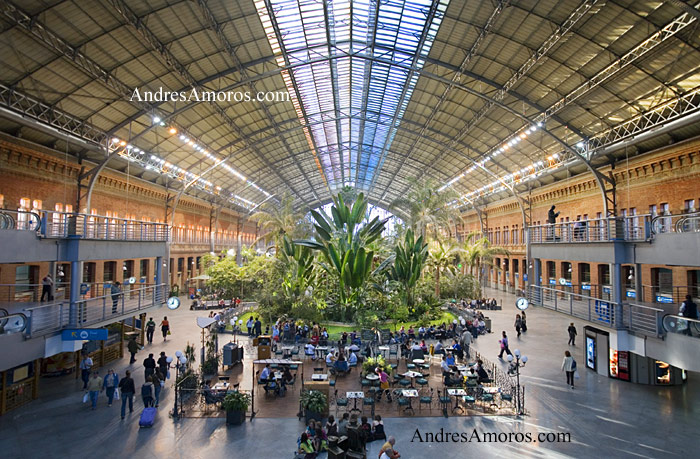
(146, 391)
(573, 365)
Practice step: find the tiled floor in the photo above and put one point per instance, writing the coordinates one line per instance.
(603, 416)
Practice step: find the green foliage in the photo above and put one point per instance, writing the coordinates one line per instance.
(314, 401)
(442, 257)
(236, 401)
(409, 258)
(458, 285)
(371, 363)
(343, 241)
(277, 220)
(429, 210)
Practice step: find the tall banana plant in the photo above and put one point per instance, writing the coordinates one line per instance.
(299, 268)
(343, 241)
(410, 257)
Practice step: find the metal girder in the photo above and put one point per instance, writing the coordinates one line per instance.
(211, 22)
(171, 61)
(421, 41)
(456, 78)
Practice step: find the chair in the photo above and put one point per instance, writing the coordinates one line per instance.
(426, 400)
(422, 382)
(469, 400)
(365, 383)
(486, 398)
(444, 399)
(403, 402)
(411, 366)
(405, 382)
(294, 366)
(368, 401)
(319, 370)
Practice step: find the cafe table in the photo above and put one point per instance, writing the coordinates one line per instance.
(355, 396)
(409, 394)
(456, 393)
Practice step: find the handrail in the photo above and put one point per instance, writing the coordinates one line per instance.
(87, 226)
(626, 228)
(678, 223)
(688, 223)
(681, 325)
(22, 220)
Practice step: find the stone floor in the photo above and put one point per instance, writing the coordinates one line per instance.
(603, 416)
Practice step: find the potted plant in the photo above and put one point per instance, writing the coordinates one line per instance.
(315, 404)
(236, 404)
(369, 365)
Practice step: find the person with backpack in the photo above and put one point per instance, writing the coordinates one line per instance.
(504, 346)
(150, 329)
(127, 389)
(147, 393)
(569, 366)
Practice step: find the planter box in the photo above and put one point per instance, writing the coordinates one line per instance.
(309, 415)
(235, 418)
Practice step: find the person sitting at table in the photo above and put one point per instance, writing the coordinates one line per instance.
(411, 332)
(352, 359)
(450, 360)
(366, 429)
(378, 429)
(483, 376)
(314, 340)
(344, 339)
(341, 365)
(310, 349)
(439, 348)
(330, 358)
(445, 367)
(421, 332)
(331, 427)
(416, 346)
(457, 349)
(324, 336)
(343, 424)
(306, 447)
(321, 437)
(423, 345)
(472, 374)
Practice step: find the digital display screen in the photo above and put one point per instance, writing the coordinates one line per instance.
(590, 353)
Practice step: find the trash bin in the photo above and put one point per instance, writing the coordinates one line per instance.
(487, 323)
(233, 354)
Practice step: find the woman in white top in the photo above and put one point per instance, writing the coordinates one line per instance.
(569, 366)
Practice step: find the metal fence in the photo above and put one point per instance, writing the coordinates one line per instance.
(628, 228)
(65, 224)
(55, 316)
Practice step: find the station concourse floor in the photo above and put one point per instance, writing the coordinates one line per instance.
(604, 416)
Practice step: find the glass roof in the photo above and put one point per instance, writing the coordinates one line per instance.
(350, 106)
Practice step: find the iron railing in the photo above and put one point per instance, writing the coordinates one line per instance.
(32, 292)
(65, 224)
(22, 220)
(628, 228)
(681, 325)
(58, 315)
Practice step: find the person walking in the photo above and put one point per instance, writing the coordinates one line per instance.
(524, 321)
(163, 364)
(552, 220)
(569, 366)
(116, 292)
(149, 364)
(504, 346)
(85, 367)
(94, 387)
(572, 334)
(518, 324)
(158, 383)
(47, 288)
(165, 328)
(133, 348)
(249, 325)
(110, 384)
(127, 388)
(258, 327)
(690, 310)
(150, 329)
(147, 392)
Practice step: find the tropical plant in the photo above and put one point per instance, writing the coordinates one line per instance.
(299, 262)
(410, 257)
(429, 210)
(371, 363)
(441, 257)
(343, 241)
(236, 401)
(279, 219)
(314, 401)
(479, 253)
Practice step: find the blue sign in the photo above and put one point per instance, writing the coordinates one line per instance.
(603, 310)
(85, 334)
(142, 280)
(664, 299)
(567, 284)
(631, 294)
(552, 282)
(585, 287)
(84, 288)
(107, 285)
(525, 277)
(606, 289)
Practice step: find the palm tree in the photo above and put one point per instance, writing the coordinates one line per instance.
(442, 256)
(478, 253)
(429, 210)
(276, 220)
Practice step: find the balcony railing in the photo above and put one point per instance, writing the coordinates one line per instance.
(58, 315)
(31, 292)
(629, 228)
(634, 317)
(681, 325)
(19, 220)
(65, 224)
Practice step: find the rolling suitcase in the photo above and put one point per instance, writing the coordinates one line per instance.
(148, 417)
